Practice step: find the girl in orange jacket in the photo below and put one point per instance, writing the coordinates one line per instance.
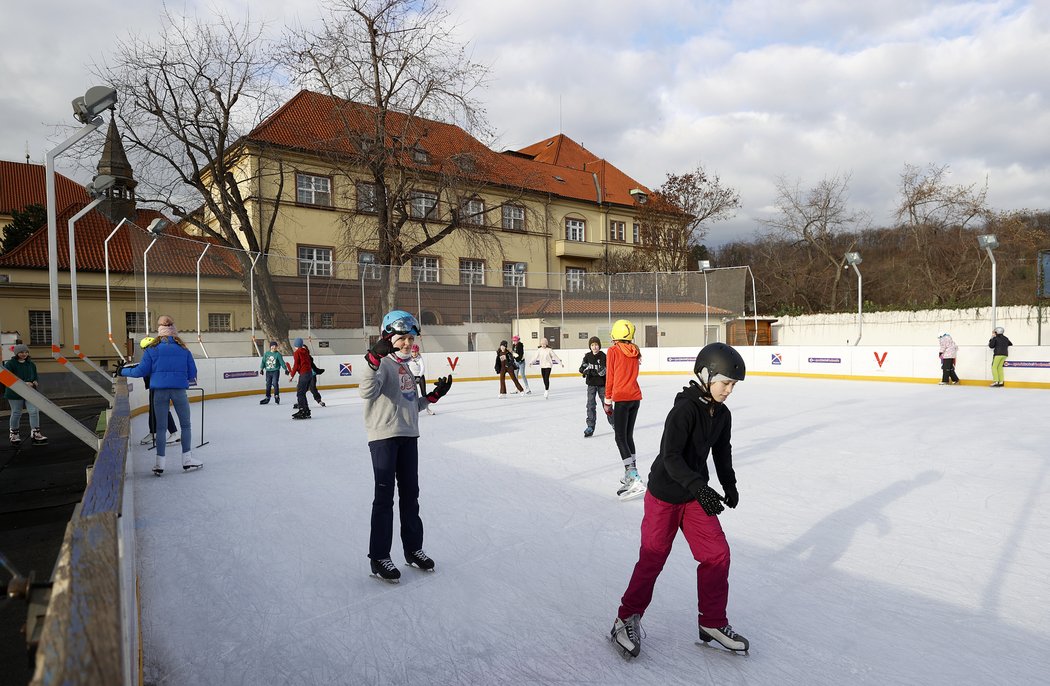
(622, 399)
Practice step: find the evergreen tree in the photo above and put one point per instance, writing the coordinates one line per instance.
(26, 221)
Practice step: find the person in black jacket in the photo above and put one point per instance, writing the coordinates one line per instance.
(505, 365)
(678, 497)
(1000, 346)
(593, 371)
(519, 361)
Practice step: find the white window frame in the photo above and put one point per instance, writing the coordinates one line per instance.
(513, 217)
(366, 197)
(313, 189)
(472, 212)
(575, 277)
(637, 233)
(420, 208)
(310, 253)
(618, 231)
(471, 271)
(575, 229)
(220, 321)
(39, 327)
(511, 278)
(426, 269)
(305, 320)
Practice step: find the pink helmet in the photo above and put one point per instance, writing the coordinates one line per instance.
(515, 338)
(415, 348)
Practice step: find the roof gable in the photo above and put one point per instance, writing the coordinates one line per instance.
(22, 184)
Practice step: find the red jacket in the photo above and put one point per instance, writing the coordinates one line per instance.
(621, 372)
(301, 360)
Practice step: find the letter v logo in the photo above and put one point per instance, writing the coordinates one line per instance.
(880, 360)
(452, 363)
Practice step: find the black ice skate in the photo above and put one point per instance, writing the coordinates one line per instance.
(627, 635)
(420, 560)
(588, 432)
(265, 401)
(277, 399)
(726, 636)
(385, 570)
(301, 414)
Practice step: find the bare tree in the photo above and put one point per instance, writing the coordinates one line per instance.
(398, 68)
(817, 219)
(674, 223)
(186, 98)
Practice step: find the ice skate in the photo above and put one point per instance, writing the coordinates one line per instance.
(588, 432)
(15, 437)
(265, 401)
(277, 399)
(726, 636)
(37, 437)
(943, 383)
(158, 466)
(633, 486)
(172, 439)
(419, 560)
(430, 411)
(502, 396)
(321, 403)
(527, 392)
(189, 463)
(627, 635)
(386, 571)
(147, 439)
(546, 394)
(301, 414)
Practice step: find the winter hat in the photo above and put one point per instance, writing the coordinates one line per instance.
(943, 335)
(503, 344)
(415, 348)
(595, 339)
(298, 342)
(515, 338)
(999, 330)
(273, 344)
(20, 348)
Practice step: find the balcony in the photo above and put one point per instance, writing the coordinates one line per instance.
(590, 251)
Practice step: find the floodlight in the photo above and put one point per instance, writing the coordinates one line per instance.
(158, 225)
(93, 103)
(100, 184)
(853, 258)
(703, 264)
(520, 267)
(988, 241)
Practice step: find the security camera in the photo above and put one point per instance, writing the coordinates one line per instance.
(93, 103)
(639, 195)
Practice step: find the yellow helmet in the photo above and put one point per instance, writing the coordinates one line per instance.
(146, 342)
(622, 330)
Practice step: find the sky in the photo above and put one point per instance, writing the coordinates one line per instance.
(752, 90)
(884, 535)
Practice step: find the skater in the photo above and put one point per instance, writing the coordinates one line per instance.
(1000, 346)
(313, 379)
(678, 497)
(545, 357)
(271, 364)
(419, 370)
(505, 365)
(302, 364)
(623, 397)
(151, 437)
(391, 411)
(593, 371)
(518, 348)
(948, 351)
(171, 369)
(25, 369)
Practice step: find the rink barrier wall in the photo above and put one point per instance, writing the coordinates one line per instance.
(1027, 367)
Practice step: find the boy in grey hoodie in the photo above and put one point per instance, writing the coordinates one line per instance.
(391, 412)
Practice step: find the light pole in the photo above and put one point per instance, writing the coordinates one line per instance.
(156, 228)
(96, 189)
(853, 259)
(87, 110)
(989, 242)
(519, 276)
(704, 266)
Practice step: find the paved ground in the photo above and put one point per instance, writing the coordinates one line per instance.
(39, 487)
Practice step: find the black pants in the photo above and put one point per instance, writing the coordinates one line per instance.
(313, 388)
(395, 460)
(172, 428)
(305, 379)
(545, 372)
(625, 412)
(948, 370)
(421, 381)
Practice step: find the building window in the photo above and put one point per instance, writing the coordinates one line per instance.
(220, 321)
(575, 230)
(39, 327)
(367, 265)
(313, 190)
(366, 198)
(328, 320)
(134, 322)
(319, 258)
(637, 234)
(574, 278)
(425, 269)
(514, 217)
(513, 274)
(472, 272)
(618, 231)
(420, 155)
(473, 212)
(423, 205)
(305, 320)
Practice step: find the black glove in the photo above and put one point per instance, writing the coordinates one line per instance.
(116, 370)
(732, 497)
(440, 389)
(709, 500)
(378, 351)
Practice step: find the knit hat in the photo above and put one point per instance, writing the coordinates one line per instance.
(415, 348)
(298, 342)
(503, 344)
(595, 339)
(273, 344)
(515, 338)
(20, 348)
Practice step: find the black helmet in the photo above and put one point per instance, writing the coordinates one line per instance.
(718, 359)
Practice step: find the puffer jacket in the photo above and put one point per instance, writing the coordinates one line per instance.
(167, 364)
(948, 348)
(1000, 345)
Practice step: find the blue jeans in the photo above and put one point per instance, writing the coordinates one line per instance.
(595, 395)
(395, 460)
(273, 380)
(16, 413)
(178, 398)
(521, 374)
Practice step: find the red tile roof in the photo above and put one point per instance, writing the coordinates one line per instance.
(22, 183)
(319, 124)
(620, 308)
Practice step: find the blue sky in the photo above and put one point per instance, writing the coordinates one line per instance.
(753, 91)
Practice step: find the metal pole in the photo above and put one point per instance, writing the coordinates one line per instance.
(200, 340)
(608, 292)
(860, 305)
(309, 311)
(517, 307)
(991, 256)
(251, 290)
(754, 299)
(707, 310)
(109, 312)
(656, 276)
(52, 229)
(145, 279)
(73, 283)
(419, 304)
(470, 297)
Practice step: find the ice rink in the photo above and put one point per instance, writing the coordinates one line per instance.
(886, 534)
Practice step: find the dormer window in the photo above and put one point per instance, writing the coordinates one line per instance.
(420, 156)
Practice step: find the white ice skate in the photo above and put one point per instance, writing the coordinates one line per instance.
(725, 636)
(158, 466)
(633, 486)
(627, 635)
(189, 463)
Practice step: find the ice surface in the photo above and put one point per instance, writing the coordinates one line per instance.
(886, 534)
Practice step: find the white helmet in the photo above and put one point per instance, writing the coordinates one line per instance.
(1000, 330)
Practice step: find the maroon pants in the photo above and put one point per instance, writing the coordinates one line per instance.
(703, 533)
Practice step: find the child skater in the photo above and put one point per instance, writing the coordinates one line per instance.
(518, 348)
(505, 365)
(593, 371)
(623, 397)
(303, 365)
(25, 369)
(271, 365)
(419, 370)
(545, 358)
(391, 411)
(679, 498)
